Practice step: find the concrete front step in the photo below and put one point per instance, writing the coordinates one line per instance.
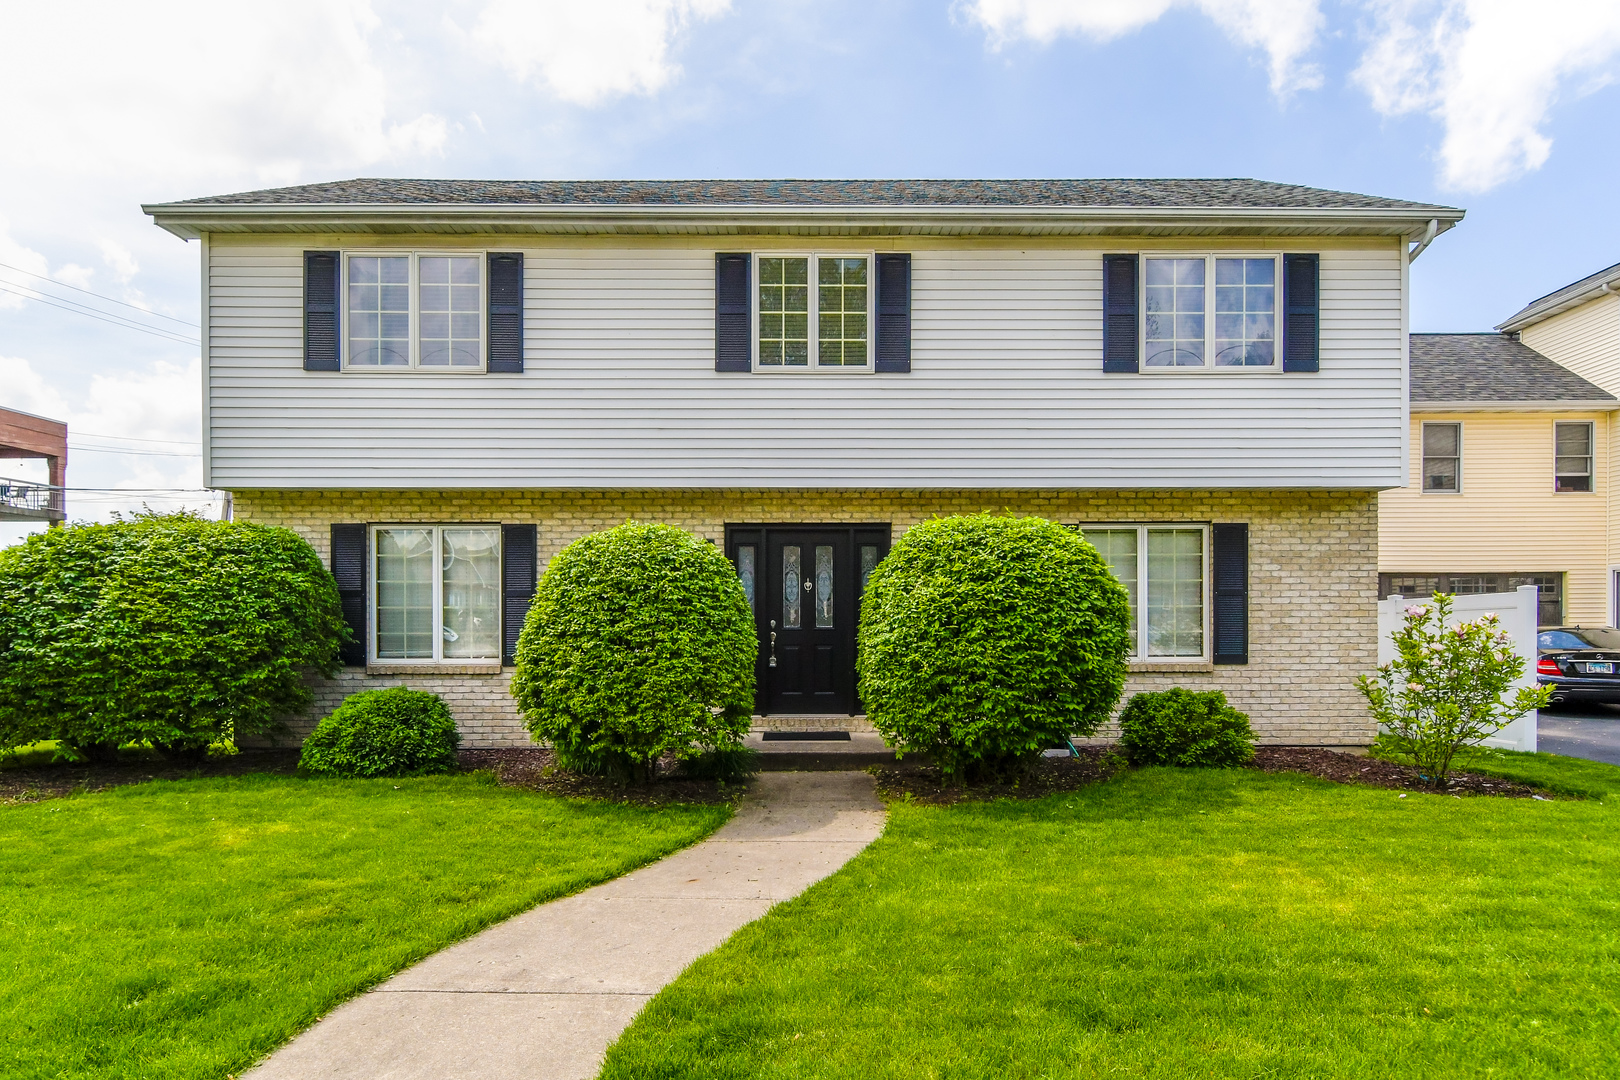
(812, 722)
(860, 750)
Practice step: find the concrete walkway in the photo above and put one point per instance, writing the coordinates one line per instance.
(542, 995)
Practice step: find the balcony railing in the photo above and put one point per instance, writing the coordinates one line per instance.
(28, 500)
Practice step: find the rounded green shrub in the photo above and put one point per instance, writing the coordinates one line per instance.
(1194, 729)
(639, 643)
(393, 732)
(168, 629)
(985, 638)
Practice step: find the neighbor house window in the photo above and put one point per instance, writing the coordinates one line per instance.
(1442, 457)
(436, 593)
(1165, 565)
(1572, 450)
(1209, 311)
(814, 312)
(414, 311)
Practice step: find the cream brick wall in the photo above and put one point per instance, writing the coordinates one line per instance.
(1313, 566)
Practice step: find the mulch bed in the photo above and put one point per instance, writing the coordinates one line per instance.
(1350, 769)
(52, 780)
(536, 768)
(924, 784)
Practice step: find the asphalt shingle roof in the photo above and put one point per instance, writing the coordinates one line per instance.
(1553, 300)
(1491, 367)
(1188, 194)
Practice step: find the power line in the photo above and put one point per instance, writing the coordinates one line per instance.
(106, 317)
(131, 438)
(99, 296)
(130, 453)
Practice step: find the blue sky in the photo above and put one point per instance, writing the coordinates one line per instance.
(1465, 102)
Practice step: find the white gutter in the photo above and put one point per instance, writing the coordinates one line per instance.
(1532, 315)
(190, 221)
(1429, 233)
(1565, 405)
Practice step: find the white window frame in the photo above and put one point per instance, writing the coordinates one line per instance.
(1591, 457)
(415, 255)
(1209, 367)
(438, 658)
(1423, 456)
(814, 367)
(1140, 654)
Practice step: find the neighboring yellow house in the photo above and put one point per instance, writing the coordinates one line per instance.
(1510, 466)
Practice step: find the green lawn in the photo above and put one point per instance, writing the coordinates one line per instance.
(1554, 772)
(1177, 924)
(182, 929)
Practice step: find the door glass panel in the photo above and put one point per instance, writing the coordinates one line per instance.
(745, 571)
(405, 594)
(472, 599)
(869, 561)
(824, 587)
(1118, 549)
(791, 605)
(1175, 621)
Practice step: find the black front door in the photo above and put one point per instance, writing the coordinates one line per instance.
(805, 583)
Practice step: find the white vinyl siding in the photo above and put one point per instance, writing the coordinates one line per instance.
(619, 388)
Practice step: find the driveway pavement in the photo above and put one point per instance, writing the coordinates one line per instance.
(1591, 731)
(541, 995)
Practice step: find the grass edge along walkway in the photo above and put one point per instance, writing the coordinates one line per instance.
(1177, 924)
(185, 928)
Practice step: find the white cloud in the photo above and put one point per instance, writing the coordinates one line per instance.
(1285, 30)
(585, 52)
(1490, 71)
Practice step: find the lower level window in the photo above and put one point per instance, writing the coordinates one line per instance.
(1164, 564)
(437, 592)
(1549, 588)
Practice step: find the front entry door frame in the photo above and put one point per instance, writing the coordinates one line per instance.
(766, 540)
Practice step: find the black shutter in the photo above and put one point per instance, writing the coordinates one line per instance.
(732, 328)
(321, 311)
(893, 313)
(519, 556)
(1229, 561)
(349, 568)
(506, 313)
(1302, 345)
(1119, 313)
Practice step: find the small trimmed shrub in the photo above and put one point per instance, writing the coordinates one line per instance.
(161, 628)
(1192, 729)
(727, 764)
(985, 639)
(393, 732)
(639, 643)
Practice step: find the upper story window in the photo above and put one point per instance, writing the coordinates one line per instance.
(1209, 311)
(813, 312)
(1572, 456)
(1442, 457)
(414, 311)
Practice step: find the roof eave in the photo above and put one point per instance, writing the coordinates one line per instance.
(191, 221)
(1574, 405)
(1543, 310)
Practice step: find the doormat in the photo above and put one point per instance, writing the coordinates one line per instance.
(806, 736)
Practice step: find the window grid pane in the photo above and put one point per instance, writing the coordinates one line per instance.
(471, 562)
(404, 594)
(451, 311)
(841, 312)
(1175, 585)
(1245, 312)
(784, 312)
(1118, 548)
(1174, 306)
(380, 310)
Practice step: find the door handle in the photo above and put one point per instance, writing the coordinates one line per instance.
(773, 643)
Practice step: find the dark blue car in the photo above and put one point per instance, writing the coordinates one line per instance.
(1580, 663)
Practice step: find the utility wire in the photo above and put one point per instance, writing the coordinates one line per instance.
(99, 296)
(130, 453)
(131, 438)
(106, 317)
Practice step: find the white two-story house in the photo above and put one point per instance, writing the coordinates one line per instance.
(441, 383)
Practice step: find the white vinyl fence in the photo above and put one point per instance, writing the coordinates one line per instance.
(1517, 610)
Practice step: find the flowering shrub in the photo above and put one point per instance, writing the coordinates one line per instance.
(1446, 687)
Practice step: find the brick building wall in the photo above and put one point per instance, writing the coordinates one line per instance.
(1313, 579)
